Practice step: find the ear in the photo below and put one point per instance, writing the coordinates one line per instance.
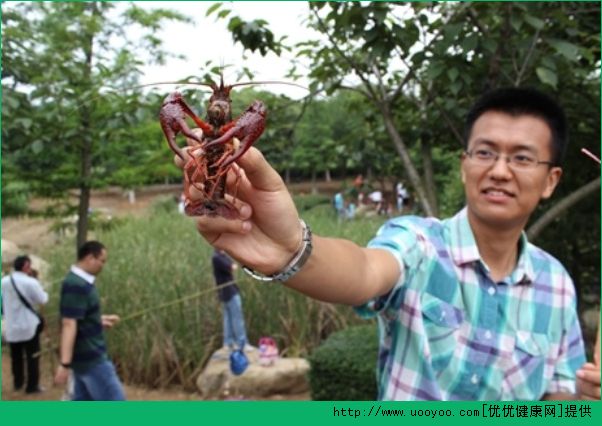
(462, 173)
(552, 180)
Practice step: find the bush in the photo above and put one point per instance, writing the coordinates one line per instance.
(15, 198)
(343, 367)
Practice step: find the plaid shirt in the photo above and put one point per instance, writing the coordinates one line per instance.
(448, 332)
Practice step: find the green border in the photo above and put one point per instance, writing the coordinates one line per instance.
(294, 413)
(298, 413)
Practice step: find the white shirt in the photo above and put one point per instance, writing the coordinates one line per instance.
(21, 323)
(89, 278)
(376, 196)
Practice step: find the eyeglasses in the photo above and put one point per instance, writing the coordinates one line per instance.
(520, 161)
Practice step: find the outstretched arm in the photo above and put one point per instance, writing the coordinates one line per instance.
(267, 235)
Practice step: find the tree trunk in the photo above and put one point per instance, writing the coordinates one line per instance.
(314, 186)
(131, 193)
(429, 176)
(327, 176)
(559, 208)
(411, 171)
(287, 175)
(85, 181)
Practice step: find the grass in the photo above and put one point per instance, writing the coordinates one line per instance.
(158, 279)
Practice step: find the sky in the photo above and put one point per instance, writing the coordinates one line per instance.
(208, 38)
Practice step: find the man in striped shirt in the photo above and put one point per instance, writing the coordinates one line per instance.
(467, 308)
(83, 349)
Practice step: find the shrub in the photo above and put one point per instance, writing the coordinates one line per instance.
(15, 198)
(343, 367)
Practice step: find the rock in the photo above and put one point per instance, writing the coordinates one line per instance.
(10, 251)
(286, 376)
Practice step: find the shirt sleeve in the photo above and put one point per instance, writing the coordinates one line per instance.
(401, 238)
(36, 293)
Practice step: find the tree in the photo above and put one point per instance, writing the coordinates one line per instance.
(57, 64)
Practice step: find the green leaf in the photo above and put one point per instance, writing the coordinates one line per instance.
(566, 49)
(434, 70)
(490, 45)
(516, 23)
(452, 30)
(547, 76)
(470, 43)
(453, 73)
(223, 13)
(213, 8)
(37, 147)
(536, 23)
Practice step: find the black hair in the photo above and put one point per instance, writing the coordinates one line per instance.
(94, 248)
(523, 101)
(20, 262)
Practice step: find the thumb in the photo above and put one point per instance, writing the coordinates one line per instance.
(259, 172)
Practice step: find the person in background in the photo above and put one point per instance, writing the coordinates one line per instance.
(235, 333)
(20, 292)
(82, 346)
(402, 194)
(339, 204)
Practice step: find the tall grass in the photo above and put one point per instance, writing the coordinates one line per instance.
(158, 278)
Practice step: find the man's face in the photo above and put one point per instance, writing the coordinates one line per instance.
(95, 264)
(498, 194)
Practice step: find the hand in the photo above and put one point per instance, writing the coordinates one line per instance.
(61, 376)
(588, 382)
(267, 233)
(109, 321)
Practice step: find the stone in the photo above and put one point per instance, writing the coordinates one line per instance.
(287, 376)
(10, 251)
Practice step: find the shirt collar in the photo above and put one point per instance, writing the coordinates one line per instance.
(464, 249)
(89, 278)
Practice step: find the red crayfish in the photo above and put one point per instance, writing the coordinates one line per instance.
(221, 143)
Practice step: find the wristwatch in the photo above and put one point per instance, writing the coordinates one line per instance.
(294, 265)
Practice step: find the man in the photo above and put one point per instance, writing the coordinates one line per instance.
(22, 331)
(83, 349)
(235, 335)
(467, 308)
(402, 194)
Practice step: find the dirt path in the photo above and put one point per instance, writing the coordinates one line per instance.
(53, 393)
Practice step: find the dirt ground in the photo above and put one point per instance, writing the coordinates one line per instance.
(54, 393)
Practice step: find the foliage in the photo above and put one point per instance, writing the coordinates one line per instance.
(15, 197)
(66, 71)
(343, 368)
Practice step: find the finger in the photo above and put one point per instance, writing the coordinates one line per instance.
(259, 172)
(245, 211)
(212, 228)
(181, 162)
(590, 366)
(238, 183)
(198, 132)
(196, 192)
(589, 376)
